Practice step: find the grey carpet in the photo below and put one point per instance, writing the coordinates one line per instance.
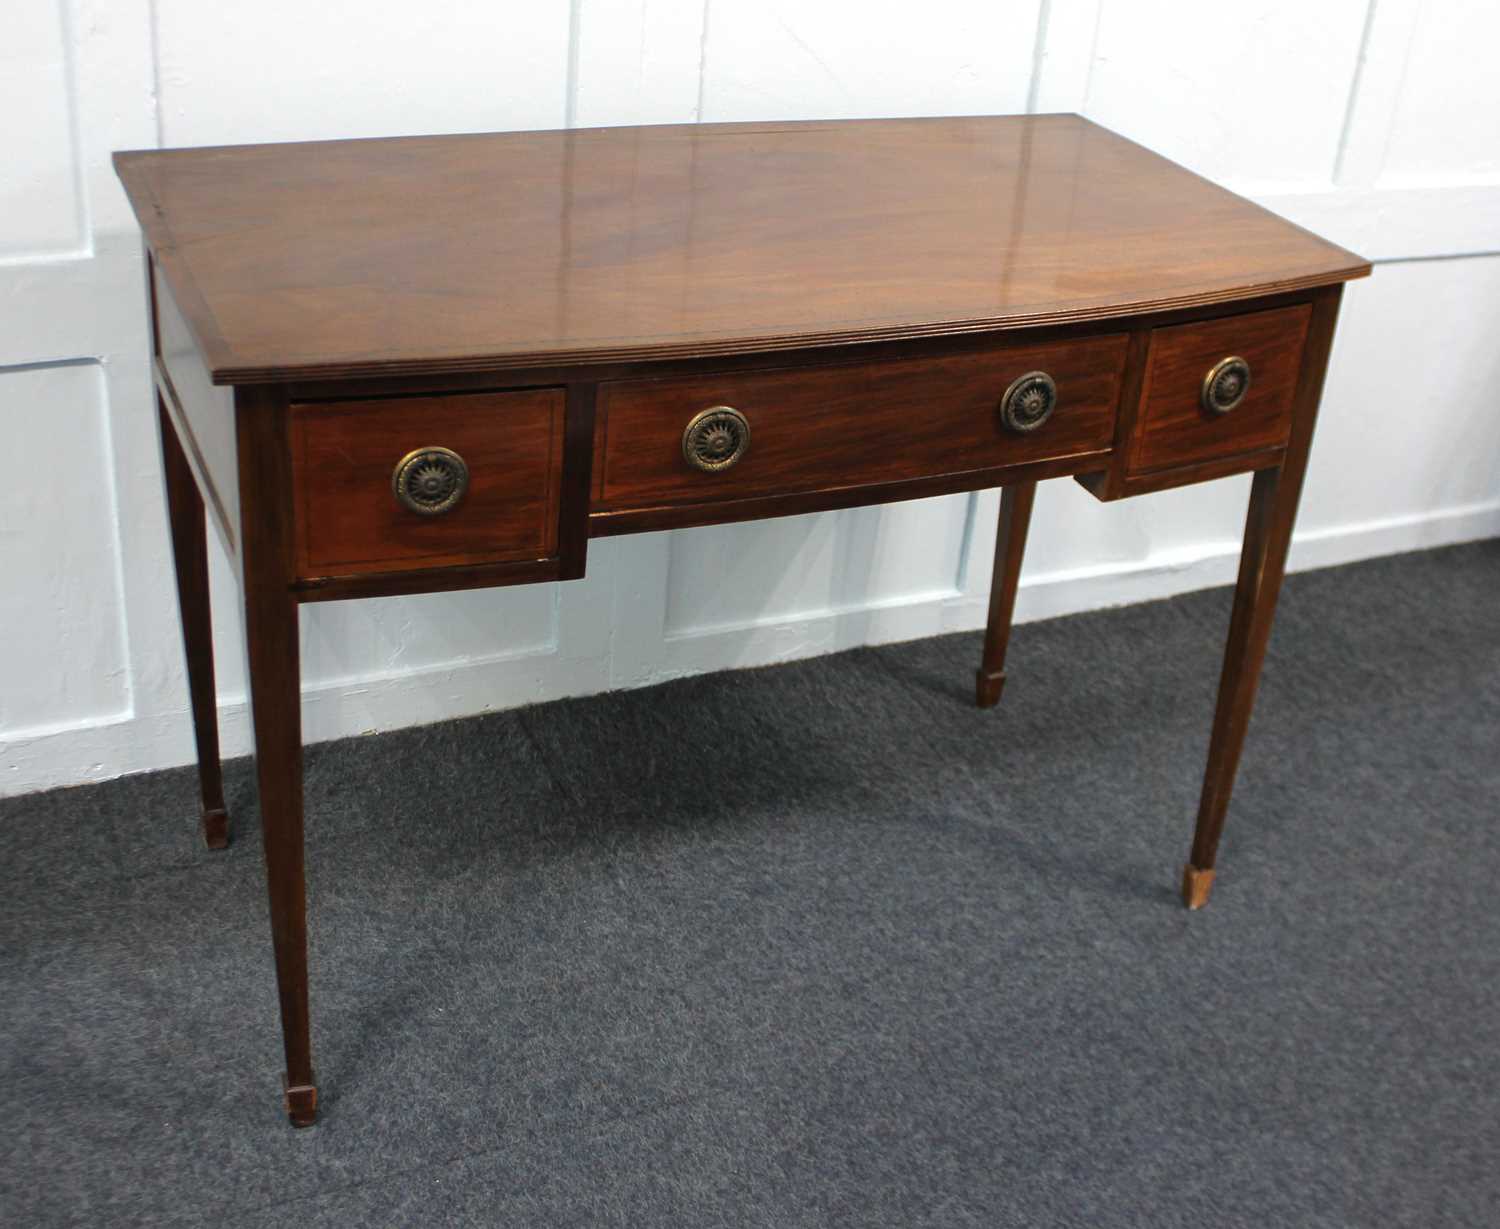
(814, 945)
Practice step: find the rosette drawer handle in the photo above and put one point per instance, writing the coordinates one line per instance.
(1226, 384)
(716, 439)
(430, 481)
(1028, 402)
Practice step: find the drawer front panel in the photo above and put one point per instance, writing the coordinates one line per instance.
(345, 455)
(819, 428)
(1175, 428)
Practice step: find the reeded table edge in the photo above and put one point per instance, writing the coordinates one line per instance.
(227, 372)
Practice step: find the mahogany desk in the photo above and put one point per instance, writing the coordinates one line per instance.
(432, 363)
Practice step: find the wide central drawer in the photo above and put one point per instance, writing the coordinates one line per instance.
(738, 435)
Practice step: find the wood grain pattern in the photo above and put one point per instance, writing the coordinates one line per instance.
(1005, 581)
(1268, 534)
(545, 374)
(1174, 429)
(591, 245)
(845, 426)
(555, 306)
(1107, 483)
(344, 452)
(831, 498)
(447, 579)
(1186, 475)
(273, 669)
(577, 478)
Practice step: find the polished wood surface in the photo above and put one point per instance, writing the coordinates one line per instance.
(851, 425)
(348, 517)
(727, 511)
(496, 250)
(1005, 581)
(273, 670)
(1268, 534)
(556, 307)
(1176, 430)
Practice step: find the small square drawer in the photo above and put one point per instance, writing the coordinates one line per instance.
(1219, 388)
(415, 482)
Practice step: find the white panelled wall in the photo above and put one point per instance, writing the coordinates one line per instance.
(1375, 122)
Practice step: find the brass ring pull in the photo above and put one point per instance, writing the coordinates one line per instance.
(715, 439)
(1225, 385)
(1028, 402)
(430, 481)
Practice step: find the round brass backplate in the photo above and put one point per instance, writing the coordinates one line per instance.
(715, 439)
(1225, 385)
(1028, 402)
(430, 481)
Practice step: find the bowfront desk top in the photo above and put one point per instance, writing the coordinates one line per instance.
(496, 250)
(431, 363)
